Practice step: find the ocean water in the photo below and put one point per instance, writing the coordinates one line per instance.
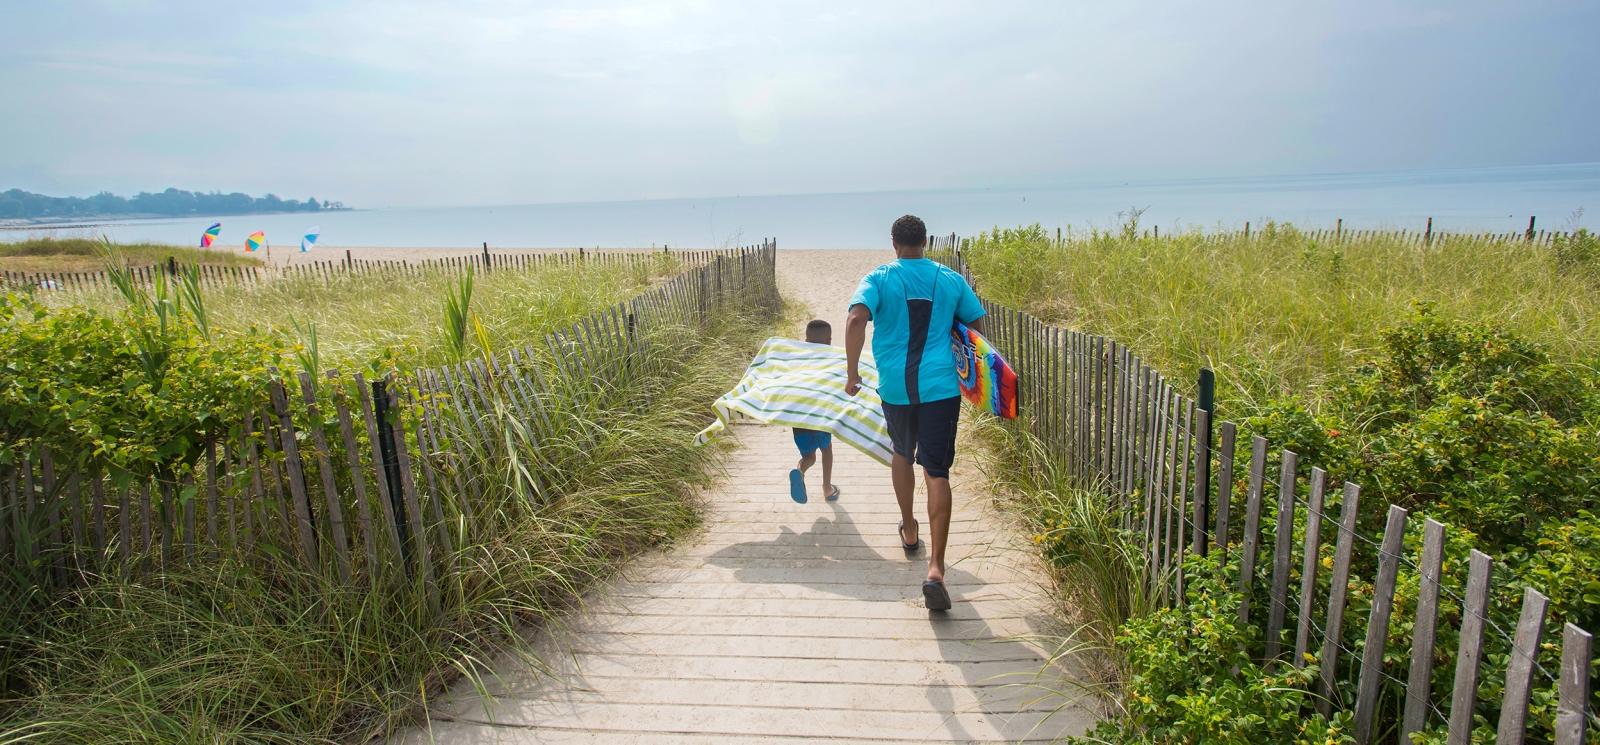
(1496, 199)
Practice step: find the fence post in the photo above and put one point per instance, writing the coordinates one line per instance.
(1464, 694)
(1308, 564)
(1520, 670)
(1252, 526)
(330, 487)
(1378, 624)
(1572, 712)
(1338, 592)
(1283, 540)
(1230, 434)
(1419, 684)
(387, 464)
(296, 472)
(1202, 465)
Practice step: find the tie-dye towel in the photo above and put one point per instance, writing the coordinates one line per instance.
(798, 384)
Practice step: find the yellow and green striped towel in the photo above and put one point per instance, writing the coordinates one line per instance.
(799, 384)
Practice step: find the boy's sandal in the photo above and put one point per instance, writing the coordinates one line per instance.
(934, 595)
(797, 486)
(901, 531)
(835, 496)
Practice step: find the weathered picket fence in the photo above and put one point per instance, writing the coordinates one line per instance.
(1122, 427)
(361, 480)
(217, 274)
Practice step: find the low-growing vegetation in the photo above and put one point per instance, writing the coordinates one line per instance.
(1464, 395)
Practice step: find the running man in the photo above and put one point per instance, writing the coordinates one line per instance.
(912, 303)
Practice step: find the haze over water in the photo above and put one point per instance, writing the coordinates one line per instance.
(1494, 199)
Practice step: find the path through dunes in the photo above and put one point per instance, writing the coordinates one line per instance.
(787, 621)
(784, 621)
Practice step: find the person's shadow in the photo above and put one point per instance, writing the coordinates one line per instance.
(832, 556)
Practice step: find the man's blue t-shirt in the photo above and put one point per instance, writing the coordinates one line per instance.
(884, 292)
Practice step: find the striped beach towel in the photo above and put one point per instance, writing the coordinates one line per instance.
(798, 384)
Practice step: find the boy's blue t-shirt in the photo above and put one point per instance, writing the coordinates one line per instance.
(884, 292)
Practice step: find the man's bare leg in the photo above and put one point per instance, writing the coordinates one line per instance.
(938, 523)
(905, 489)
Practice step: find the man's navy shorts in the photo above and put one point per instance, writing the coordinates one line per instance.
(810, 441)
(925, 433)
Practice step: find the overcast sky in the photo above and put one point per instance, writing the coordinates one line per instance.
(394, 104)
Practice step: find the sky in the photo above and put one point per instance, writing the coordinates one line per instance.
(400, 104)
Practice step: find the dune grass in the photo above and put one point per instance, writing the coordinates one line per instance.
(245, 652)
(1277, 313)
(363, 316)
(77, 254)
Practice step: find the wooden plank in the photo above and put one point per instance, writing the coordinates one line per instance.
(358, 479)
(256, 493)
(1252, 526)
(9, 509)
(389, 497)
(1283, 545)
(186, 505)
(408, 490)
(1309, 554)
(278, 493)
(296, 472)
(439, 523)
(98, 491)
(1572, 711)
(1521, 668)
(1419, 682)
(1185, 455)
(52, 511)
(1202, 480)
(211, 493)
(1378, 625)
(1469, 656)
(330, 485)
(1230, 434)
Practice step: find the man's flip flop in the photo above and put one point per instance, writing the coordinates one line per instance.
(797, 486)
(901, 531)
(834, 496)
(934, 595)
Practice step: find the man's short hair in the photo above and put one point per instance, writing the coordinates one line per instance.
(818, 332)
(909, 232)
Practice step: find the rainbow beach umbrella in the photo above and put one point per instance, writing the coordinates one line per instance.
(210, 236)
(256, 240)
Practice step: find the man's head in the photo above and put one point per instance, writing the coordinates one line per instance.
(819, 332)
(910, 237)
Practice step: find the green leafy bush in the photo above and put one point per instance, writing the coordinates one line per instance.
(1182, 685)
(130, 391)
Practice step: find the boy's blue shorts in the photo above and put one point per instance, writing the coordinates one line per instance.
(810, 440)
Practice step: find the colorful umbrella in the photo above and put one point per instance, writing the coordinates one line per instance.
(210, 236)
(310, 241)
(256, 240)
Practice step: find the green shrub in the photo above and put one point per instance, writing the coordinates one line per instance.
(1182, 686)
(127, 390)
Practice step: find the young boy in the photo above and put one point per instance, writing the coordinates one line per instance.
(809, 440)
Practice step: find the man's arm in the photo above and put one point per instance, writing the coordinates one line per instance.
(977, 326)
(855, 337)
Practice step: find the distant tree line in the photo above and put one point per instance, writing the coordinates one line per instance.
(17, 203)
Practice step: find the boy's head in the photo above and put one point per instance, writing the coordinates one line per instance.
(819, 332)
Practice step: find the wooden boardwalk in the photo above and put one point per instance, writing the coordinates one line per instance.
(784, 621)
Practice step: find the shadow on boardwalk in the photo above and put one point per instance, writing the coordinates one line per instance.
(785, 621)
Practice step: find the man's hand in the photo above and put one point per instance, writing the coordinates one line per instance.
(853, 385)
(855, 337)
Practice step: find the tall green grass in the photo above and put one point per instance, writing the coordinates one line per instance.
(362, 316)
(1276, 312)
(246, 652)
(138, 254)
